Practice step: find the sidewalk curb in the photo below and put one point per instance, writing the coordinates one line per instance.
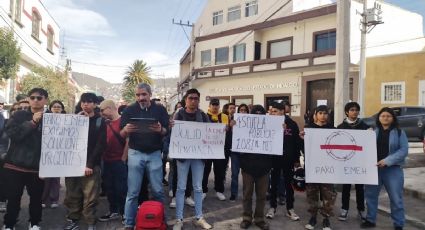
(409, 219)
(414, 193)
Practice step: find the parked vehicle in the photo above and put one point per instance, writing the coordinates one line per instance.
(410, 118)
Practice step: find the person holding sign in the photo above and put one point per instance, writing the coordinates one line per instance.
(191, 112)
(220, 165)
(145, 123)
(392, 146)
(352, 121)
(325, 191)
(22, 161)
(82, 193)
(52, 185)
(255, 175)
(284, 164)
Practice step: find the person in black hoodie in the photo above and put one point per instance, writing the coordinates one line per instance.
(352, 121)
(82, 193)
(255, 175)
(22, 161)
(284, 164)
(314, 191)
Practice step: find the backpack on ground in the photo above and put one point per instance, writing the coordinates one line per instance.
(150, 216)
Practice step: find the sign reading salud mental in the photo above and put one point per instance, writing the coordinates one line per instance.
(262, 134)
(340, 156)
(197, 140)
(64, 145)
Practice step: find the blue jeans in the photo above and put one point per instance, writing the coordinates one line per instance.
(115, 178)
(392, 178)
(197, 167)
(138, 162)
(236, 168)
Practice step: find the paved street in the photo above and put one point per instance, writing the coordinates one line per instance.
(226, 215)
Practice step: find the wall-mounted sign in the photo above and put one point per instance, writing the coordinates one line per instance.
(258, 87)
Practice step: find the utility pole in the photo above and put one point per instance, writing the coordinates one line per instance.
(342, 59)
(11, 95)
(370, 18)
(184, 25)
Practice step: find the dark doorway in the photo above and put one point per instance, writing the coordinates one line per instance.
(257, 51)
(270, 98)
(320, 91)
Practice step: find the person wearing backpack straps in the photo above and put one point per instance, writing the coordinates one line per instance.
(114, 168)
(392, 149)
(191, 112)
(82, 193)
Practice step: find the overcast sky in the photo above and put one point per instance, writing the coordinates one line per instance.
(114, 33)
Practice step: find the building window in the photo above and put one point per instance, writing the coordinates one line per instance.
(393, 93)
(234, 13)
(221, 55)
(217, 17)
(251, 8)
(206, 58)
(36, 22)
(325, 41)
(239, 52)
(280, 48)
(18, 9)
(50, 39)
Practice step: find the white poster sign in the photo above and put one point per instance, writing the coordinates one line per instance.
(340, 156)
(64, 145)
(197, 140)
(261, 134)
(322, 102)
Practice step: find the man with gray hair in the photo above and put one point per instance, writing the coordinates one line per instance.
(145, 123)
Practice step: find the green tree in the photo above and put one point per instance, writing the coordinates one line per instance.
(137, 73)
(9, 54)
(54, 81)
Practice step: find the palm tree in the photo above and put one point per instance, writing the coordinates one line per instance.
(138, 73)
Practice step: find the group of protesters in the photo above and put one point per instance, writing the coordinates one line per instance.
(123, 161)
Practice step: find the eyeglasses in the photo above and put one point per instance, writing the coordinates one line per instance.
(193, 98)
(39, 98)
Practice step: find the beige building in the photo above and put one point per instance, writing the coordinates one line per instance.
(260, 51)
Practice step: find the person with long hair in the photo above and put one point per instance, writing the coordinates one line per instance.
(392, 148)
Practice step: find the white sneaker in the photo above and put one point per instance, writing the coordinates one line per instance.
(170, 193)
(204, 195)
(54, 205)
(189, 201)
(43, 205)
(173, 203)
(4, 228)
(344, 215)
(270, 214)
(220, 196)
(178, 225)
(202, 223)
(34, 227)
(2, 206)
(292, 215)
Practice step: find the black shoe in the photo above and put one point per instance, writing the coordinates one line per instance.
(232, 198)
(367, 224)
(164, 182)
(72, 225)
(245, 224)
(398, 228)
(326, 224)
(262, 225)
(311, 223)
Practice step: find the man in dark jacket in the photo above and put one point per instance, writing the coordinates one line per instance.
(82, 193)
(23, 158)
(144, 151)
(284, 164)
(352, 121)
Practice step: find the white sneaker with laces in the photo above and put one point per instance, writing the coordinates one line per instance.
(220, 196)
(270, 214)
(292, 215)
(173, 203)
(189, 201)
(34, 227)
(178, 225)
(202, 223)
(344, 215)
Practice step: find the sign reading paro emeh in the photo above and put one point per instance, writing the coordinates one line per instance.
(63, 145)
